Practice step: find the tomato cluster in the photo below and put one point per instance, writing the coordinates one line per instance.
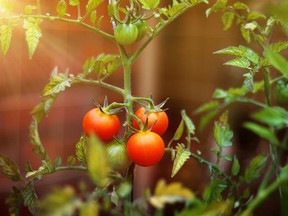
(145, 147)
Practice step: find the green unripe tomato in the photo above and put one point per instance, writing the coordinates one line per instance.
(142, 29)
(117, 156)
(281, 92)
(126, 34)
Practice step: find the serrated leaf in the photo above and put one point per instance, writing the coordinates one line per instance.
(219, 4)
(263, 132)
(278, 46)
(60, 201)
(188, 123)
(90, 208)
(213, 192)
(61, 8)
(97, 169)
(45, 168)
(29, 197)
(5, 38)
(239, 62)
(9, 168)
(277, 61)
(92, 5)
(114, 198)
(58, 82)
(253, 170)
(181, 157)
(169, 194)
(211, 105)
(222, 134)
(74, 2)
(272, 116)
(179, 132)
(227, 20)
(38, 148)
(240, 51)
(81, 148)
(33, 34)
(235, 167)
(14, 202)
(149, 4)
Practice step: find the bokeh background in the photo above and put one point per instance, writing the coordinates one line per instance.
(178, 64)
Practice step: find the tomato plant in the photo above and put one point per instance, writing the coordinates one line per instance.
(145, 148)
(117, 155)
(157, 120)
(104, 125)
(229, 190)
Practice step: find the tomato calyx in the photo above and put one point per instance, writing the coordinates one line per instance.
(109, 109)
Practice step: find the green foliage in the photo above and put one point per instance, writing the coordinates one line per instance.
(81, 150)
(149, 4)
(92, 5)
(14, 201)
(235, 167)
(29, 197)
(213, 191)
(5, 38)
(97, 169)
(182, 155)
(61, 8)
(9, 169)
(254, 169)
(33, 33)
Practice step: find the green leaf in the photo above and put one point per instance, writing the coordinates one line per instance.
(5, 38)
(175, 9)
(278, 46)
(33, 34)
(262, 132)
(124, 190)
(239, 62)
(58, 82)
(211, 105)
(92, 5)
(90, 208)
(222, 134)
(74, 2)
(235, 166)
(179, 132)
(227, 157)
(272, 116)
(253, 170)
(60, 201)
(219, 4)
(227, 20)
(181, 157)
(93, 17)
(81, 148)
(149, 4)
(9, 169)
(188, 123)
(241, 6)
(38, 148)
(213, 192)
(277, 61)
(61, 8)
(98, 169)
(207, 118)
(245, 34)
(71, 159)
(255, 15)
(29, 197)
(45, 168)
(14, 202)
(240, 51)
(249, 81)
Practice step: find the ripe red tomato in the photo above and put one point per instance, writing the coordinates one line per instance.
(145, 148)
(103, 125)
(117, 156)
(160, 118)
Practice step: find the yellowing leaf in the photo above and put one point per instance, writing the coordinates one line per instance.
(182, 156)
(170, 193)
(5, 38)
